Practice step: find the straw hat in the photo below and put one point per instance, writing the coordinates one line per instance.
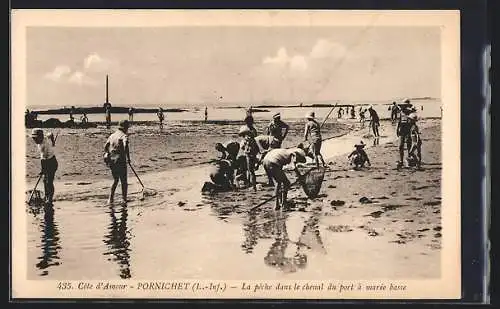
(413, 116)
(123, 124)
(36, 132)
(277, 116)
(406, 100)
(243, 130)
(310, 115)
(360, 144)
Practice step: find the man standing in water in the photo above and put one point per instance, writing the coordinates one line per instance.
(161, 117)
(276, 127)
(313, 129)
(48, 161)
(116, 156)
(374, 121)
(273, 164)
(394, 112)
(250, 149)
(206, 114)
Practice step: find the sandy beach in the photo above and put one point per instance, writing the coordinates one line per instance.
(369, 224)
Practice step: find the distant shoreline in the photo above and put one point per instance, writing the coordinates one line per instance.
(100, 110)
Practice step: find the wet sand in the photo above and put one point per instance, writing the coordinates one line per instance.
(177, 232)
(179, 144)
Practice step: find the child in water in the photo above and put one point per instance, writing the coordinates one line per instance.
(359, 157)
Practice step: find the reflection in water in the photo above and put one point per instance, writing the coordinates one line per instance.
(250, 230)
(276, 254)
(118, 240)
(376, 141)
(310, 236)
(49, 240)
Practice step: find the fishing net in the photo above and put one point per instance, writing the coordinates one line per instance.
(311, 181)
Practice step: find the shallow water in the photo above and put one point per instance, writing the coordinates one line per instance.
(180, 233)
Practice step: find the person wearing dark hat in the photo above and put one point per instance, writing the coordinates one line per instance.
(116, 156)
(358, 157)
(313, 130)
(273, 164)
(374, 121)
(276, 127)
(48, 160)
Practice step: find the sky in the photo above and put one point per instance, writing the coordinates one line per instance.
(227, 65)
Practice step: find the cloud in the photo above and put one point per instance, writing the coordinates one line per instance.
(327, 49)
(59, 72)
(280, 58)
(298, 63)
(80, 78)
(95, 63)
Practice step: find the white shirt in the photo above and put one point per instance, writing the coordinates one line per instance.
(114, 141)
(46, 149)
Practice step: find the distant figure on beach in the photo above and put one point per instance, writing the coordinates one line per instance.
(161, 117)
(29, 117)
(362, 117)
(48, 161)
(374, 121)
(84, 119)
(415, 151)
(116, 156)
(353, 113)
(340, 112)
(71, 113)
(403, 132)
(394, 112)
(313, 130)
(358, 157)
(131, 114)
(273, 164)
(107, 110)
(250, 149)
(206, 114)
(276, 127)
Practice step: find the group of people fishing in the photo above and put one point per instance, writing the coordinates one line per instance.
(239, 160)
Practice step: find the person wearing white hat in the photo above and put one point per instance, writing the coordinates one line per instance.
(276, 127)
(116, 156)
(48, 160)
(358, 157)
(250, 149)
(273, 164)
(313, 130)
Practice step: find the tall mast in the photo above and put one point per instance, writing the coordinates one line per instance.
(107, 97)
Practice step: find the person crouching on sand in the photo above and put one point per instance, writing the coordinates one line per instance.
(48, 161)
(222, 175)
(359, 157)
(116, 156)
(313, 129)
(273, 164)
(250, 149)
